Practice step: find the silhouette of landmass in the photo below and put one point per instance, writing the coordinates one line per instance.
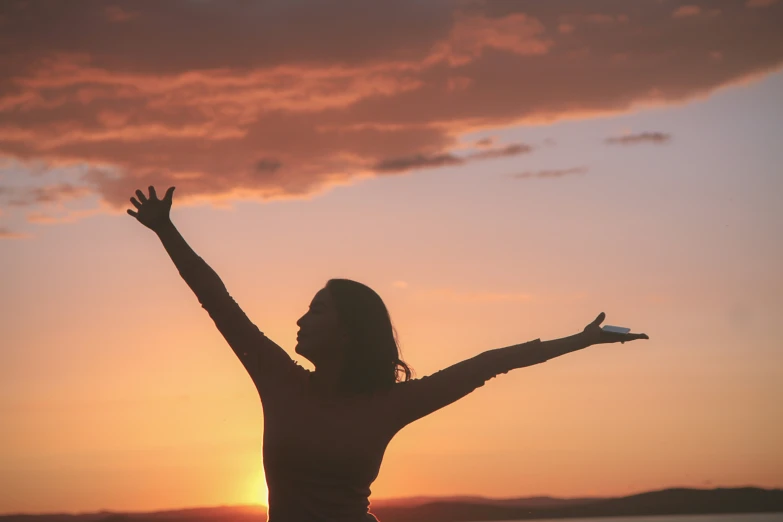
(523, 501)
(674, 501)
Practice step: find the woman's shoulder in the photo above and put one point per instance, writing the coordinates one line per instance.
(292, 378)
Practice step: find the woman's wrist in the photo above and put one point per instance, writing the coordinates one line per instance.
(588, 339)
(164, 227)
(583, 339)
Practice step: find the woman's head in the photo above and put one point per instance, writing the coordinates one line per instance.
(348, 325)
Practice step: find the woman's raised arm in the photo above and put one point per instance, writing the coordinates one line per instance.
(415, 399)
(261, 357)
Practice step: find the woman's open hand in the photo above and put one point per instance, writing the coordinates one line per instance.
(594, 334)
(152, 212)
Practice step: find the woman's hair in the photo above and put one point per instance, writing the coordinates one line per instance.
(372, 359)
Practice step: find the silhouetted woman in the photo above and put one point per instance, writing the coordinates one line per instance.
(325, 431)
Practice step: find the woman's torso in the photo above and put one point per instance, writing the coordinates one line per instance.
(321, 453)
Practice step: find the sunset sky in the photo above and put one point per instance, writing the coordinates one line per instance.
(496, 171)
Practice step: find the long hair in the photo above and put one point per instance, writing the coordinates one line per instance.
(372, 358)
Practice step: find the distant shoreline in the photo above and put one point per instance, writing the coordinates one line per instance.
(672, 501)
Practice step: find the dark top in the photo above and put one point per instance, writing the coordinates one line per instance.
(322, 453)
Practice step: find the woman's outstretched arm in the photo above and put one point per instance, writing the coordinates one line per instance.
(259, 355)
(415, 399)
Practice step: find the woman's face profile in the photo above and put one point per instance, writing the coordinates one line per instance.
(319, 336)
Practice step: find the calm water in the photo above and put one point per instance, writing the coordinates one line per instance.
(754, 517)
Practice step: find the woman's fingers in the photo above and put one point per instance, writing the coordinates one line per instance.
(132, 213)
(614, 337)
(633, 337)
(153, 196)
(169, 193)
(599, 319)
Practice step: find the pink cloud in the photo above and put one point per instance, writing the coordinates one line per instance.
(118, 14)
(230, 105)
(472, 34)
(43, 195)
(685, 11)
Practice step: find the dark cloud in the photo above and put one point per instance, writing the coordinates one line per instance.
(644, 137)
(760, 3)
(268, 165)
(281, 98)
(418, 161)
(421, 161)
(510, 150)
(551, 173)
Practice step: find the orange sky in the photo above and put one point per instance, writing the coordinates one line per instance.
(497, 174)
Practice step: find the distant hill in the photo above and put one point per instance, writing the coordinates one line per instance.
(522, 501)
(673, 501)
(676, 501)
